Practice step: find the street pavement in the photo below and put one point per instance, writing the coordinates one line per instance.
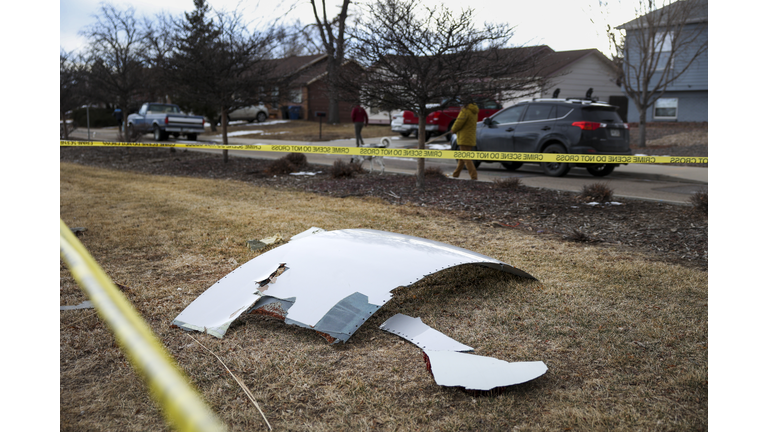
(654, 182)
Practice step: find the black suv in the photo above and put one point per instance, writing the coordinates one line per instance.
(576, 126)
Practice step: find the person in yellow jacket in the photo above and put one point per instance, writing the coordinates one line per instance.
(465, 128)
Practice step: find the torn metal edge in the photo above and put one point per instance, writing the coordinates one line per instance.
(474, 372)
(419, 257)
(422, 335)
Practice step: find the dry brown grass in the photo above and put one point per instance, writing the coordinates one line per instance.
(305, 130)
(625, 338)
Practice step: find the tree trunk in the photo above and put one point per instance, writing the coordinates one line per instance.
(333, 92)
(64, 127)
(224, 139)
(420, 162)
(641, 142)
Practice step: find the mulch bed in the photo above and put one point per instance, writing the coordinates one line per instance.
(667, 232)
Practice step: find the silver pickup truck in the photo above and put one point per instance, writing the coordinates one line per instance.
(165, 119)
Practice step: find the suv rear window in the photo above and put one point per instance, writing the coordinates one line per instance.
(601, 115)
(538, 112)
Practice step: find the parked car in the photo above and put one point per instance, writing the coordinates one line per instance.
(405, 123)
(441, 121)
(164, 119)
(576, 126)
(250, 114)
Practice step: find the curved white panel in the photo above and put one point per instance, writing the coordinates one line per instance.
(330, 271)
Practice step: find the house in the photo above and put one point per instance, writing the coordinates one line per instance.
(573, 73)
(302, 87)
(678, 31)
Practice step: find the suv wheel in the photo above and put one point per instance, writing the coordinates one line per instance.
(601, 170)
(261, 117)
(511, 166)
(555, 169)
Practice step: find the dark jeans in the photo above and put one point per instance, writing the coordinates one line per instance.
(359, 133)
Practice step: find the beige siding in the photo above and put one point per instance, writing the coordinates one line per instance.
(578, 77)
(575, 79)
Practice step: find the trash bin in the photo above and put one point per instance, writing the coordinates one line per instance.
(294, 112)
(284, 112)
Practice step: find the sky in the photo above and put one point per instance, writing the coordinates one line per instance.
(561, 24)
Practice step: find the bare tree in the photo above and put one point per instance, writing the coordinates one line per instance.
(113, 53)
(72, 92)
(157, 50)
(298, 39)
(333, 35)
(419, 56)
(219, 62)
(657, 48)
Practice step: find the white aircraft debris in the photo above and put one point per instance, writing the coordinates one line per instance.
(329, 281)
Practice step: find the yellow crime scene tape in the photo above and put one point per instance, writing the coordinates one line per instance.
(411, 153)
(181, 403)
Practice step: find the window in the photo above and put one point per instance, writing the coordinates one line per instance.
(275, 97)
(509, 115)
(663, 49)
(665, 108)
(563, 111)
(537, 112)
(296, 95)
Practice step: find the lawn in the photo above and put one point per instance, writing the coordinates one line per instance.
(303, 130)
(624, 337)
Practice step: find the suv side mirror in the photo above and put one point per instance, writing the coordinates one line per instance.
(487, 121)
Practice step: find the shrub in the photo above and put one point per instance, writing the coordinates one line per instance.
(99, 117)
(281, 166)
(599, 192)
(579, 236)
(510, 183)
(298, 159)
(699, 200)
(433, 171)
(341, 169)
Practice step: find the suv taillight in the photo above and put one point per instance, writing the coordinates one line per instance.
(166, 119)
(585, 125)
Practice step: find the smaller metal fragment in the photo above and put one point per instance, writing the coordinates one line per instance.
(474, 372)
(84, 305)
(422, 335)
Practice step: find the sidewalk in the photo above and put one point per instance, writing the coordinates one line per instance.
(661, 172)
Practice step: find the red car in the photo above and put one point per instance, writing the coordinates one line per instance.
(440, 122)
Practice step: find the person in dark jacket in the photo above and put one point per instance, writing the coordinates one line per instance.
(360, 119)
(465, 128)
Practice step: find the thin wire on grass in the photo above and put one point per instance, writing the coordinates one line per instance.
(240, 383)
(82, 319)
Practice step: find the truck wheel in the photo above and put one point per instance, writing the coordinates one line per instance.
(405, 134)
(159, 135)
(261, 117)
(555, 169)
(600, 170)
(511, 166)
